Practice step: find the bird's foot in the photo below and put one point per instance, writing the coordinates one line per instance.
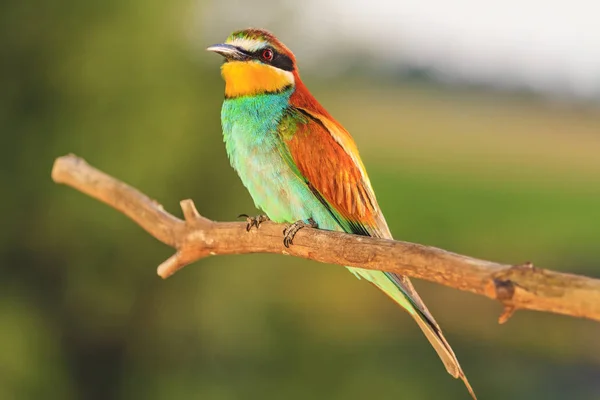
(290, 231)
(254, 221)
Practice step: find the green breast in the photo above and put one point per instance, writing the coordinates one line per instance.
(252, 130)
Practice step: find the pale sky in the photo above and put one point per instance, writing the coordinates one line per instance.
(550, 46)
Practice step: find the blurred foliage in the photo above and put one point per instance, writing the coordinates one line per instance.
(83, 314)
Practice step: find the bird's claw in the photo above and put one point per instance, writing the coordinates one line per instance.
(290, 231)
(253, 221)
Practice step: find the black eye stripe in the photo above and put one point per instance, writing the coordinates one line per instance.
(279, 60)
(283, 62)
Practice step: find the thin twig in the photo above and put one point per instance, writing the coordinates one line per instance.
(196, 237)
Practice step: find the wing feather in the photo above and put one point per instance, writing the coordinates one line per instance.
(326, 156)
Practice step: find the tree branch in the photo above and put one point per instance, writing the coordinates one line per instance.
(195, 237)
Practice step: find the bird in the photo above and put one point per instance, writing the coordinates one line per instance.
(301, 167)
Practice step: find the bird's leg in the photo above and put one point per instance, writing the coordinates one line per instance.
(254, 221)
(290, 231)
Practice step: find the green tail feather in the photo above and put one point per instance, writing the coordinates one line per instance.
(400, 290)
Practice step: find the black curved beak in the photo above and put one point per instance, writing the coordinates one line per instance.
(229, 52)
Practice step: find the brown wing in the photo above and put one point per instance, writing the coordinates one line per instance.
(326, 156)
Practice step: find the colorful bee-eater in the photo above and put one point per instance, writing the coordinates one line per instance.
(300, 164)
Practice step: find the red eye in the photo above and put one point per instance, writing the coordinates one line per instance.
(267, 55)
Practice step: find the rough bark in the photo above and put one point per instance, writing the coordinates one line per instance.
(195, 237)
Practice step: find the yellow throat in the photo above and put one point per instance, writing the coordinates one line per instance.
(246, 78)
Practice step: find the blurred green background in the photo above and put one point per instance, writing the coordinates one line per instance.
(505, 176)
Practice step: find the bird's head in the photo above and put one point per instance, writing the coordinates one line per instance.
(256, 62)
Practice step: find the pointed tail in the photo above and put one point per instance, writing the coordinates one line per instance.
(400, 289)
(442, 347)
